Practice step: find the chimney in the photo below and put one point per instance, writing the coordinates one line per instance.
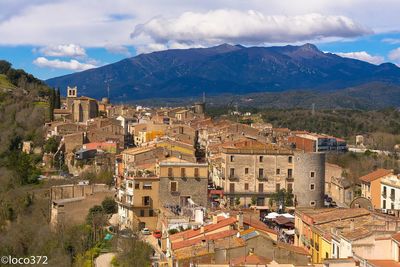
(239, 218)
(214, 219)
(352, 225)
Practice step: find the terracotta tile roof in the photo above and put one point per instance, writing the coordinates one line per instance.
(396, 237)
(258, 225)
(190, 242)
(208, 228)
(295, 249)
(384, 263)
(375, 175)
(325, 215)
(249, 259)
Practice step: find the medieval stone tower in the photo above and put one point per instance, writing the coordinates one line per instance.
(309, 179)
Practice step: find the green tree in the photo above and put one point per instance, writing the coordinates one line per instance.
(51, 145)
(109, 205)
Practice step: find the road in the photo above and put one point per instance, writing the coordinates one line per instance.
(104, 260)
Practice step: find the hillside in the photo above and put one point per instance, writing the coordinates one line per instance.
(226, 69)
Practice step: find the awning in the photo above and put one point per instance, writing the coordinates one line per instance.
(289, 232)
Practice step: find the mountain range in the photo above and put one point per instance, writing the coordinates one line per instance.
(232, 69)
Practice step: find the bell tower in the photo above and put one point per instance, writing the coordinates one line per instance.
(72, 91)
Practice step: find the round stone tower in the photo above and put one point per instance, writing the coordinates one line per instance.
(309, 179)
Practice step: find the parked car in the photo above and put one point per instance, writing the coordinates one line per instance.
(157, 234)
(146, 231)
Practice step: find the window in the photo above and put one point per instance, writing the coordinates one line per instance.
(312, 174)
(151, 213)
(392, 194)
(260, 188)
(384, 192)
(384, 204)
(326, 255)
(261, 158)
(246, 170)
(312, 186)
(277, 187)
(392, 206)
(146, 201)
(196, 173)
(289, 173)
(231, 187)
(147, 186)
(246, 186)
(290, 159)
(183, 172)
(137, 185)
(170, 172)
(130, 184)
(174, 186)
(231, 172)
(232, 158)
(290, 187)
(278, 171)
(312, 203)
(261, 173)
(141, 213)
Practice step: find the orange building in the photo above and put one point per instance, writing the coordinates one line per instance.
(371, 186)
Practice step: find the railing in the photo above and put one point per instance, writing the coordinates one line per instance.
(290, 178)
(233, 177)
(262, 178)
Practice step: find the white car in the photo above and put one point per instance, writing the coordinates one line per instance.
(146, 231)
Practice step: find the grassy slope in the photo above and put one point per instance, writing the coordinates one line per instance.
(5, 83)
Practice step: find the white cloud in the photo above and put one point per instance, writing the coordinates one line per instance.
(391, 40)
(364, 56)
(118, 49)
(395, 55)
(59, 64)
(64, 50)
(244, 27)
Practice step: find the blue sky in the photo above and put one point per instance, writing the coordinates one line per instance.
(49, 38)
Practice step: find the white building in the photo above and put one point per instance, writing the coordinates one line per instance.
(390, 192)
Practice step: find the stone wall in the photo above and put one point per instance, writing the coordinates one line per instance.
(309, 191)
(195, 188)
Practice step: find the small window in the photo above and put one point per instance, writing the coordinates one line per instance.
(232, 172)
(196, 173)
(312, 174)
(278, 171)
(130, 185)
(151, 213)
(261, 158)
(170, 172)
(277, 187)
(137, 185)
(146, 201)
(290, 188)
(232, 187)
(141, 213)
(147, 185)
(312, 203)
(260, 188)
(261, 173)
(232, 158)
(183, 172)
(289, 173)
(290, 159)
(174, 186)
(312, 186)
(246, 186)
(246, 170)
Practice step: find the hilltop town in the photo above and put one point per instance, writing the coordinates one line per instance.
(204, 191)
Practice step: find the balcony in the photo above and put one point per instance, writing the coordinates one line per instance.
(290, 178)
(262, 178)
(233, 177)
